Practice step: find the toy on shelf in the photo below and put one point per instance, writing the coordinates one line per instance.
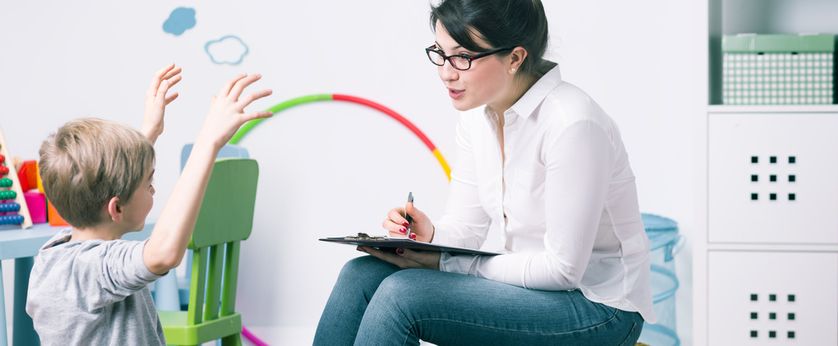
(53, 217)
(13, 207)
(27, 174)
(37, 203)
(33, 191)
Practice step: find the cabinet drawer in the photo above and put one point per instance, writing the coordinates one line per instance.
(773, 178)
(772, 298)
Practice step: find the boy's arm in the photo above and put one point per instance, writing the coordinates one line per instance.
(156, 100)
(164, 249)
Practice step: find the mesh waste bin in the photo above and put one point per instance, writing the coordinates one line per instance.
(664, 244)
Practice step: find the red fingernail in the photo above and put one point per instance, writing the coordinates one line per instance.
(413, 236)
(400, 251)
(403, 230)
(405, 224)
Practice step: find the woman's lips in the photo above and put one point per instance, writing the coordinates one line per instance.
(455, 94)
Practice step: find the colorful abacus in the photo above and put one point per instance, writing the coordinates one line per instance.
(13, 210)
(9, 207)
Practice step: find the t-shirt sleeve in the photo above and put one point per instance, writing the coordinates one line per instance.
(123, 270)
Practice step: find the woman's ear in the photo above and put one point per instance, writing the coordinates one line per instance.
(517, 57)
(114, 209)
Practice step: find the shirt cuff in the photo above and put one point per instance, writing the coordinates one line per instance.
(460, 264)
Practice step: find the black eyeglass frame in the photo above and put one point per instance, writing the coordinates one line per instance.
(433, 50)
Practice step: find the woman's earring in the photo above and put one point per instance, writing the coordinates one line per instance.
(513, 70)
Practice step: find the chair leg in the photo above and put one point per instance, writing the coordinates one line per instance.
(232, 340)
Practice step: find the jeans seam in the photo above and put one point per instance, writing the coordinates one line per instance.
(413, 324)
(631, 331)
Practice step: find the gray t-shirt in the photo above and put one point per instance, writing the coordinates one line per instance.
(92, 292)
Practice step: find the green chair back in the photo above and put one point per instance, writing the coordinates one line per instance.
(227, 210)
(225, 219)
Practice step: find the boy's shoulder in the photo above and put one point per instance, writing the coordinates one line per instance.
(61, 241)
(61, 251)
(60, 244)
(102, 271)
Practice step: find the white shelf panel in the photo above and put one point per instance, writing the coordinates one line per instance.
(773, 109)
(746, 247)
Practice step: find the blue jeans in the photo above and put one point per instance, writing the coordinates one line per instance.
(376, 303)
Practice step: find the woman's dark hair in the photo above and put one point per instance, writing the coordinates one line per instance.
(501, 23)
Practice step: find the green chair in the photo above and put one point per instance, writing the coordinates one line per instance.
(225, 219)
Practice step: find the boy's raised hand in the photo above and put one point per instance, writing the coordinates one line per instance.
(227, 113)
(174, 227)
(156, 100)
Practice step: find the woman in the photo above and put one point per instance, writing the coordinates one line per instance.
(541, 163)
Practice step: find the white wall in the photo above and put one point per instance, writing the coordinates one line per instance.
(332, 169)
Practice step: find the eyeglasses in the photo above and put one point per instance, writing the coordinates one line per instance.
(460, 62)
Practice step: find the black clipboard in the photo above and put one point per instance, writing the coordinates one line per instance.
(391, 243)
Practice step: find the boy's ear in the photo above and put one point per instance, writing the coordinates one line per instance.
(114, 209)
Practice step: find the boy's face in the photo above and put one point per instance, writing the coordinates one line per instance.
(140, 204)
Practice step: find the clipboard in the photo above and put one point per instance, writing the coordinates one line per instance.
(383, 242)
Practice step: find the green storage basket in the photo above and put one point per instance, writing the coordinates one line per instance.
(778, 69)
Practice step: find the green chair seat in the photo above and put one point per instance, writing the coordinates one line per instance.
(178, 331)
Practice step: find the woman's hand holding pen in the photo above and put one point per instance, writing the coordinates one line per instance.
(419, 228)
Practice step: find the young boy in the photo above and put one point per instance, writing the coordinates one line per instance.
(88, 286)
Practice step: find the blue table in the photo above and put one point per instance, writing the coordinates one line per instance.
(22, 245)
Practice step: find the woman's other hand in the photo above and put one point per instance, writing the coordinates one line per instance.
(406, 258)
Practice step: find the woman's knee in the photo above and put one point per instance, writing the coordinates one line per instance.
(402, 289)
(364, 272)
(356, 265)
(365, 267)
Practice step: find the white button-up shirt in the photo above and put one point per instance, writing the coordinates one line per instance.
(563, 201)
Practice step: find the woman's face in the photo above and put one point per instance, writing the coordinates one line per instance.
(486, 82)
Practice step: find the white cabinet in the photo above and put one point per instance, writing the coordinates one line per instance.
(765, 263)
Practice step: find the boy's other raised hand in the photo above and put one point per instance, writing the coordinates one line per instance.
(227, 112)
(156, 100)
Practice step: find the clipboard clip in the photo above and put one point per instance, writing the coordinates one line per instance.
(363, 236)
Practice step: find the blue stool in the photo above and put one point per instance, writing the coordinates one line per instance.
(664, 243)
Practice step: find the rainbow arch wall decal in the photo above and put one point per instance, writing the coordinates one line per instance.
(245, 129)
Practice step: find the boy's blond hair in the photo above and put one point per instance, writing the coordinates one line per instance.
(88, 161)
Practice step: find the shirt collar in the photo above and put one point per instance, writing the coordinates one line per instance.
(528, 102)
(61, 237)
